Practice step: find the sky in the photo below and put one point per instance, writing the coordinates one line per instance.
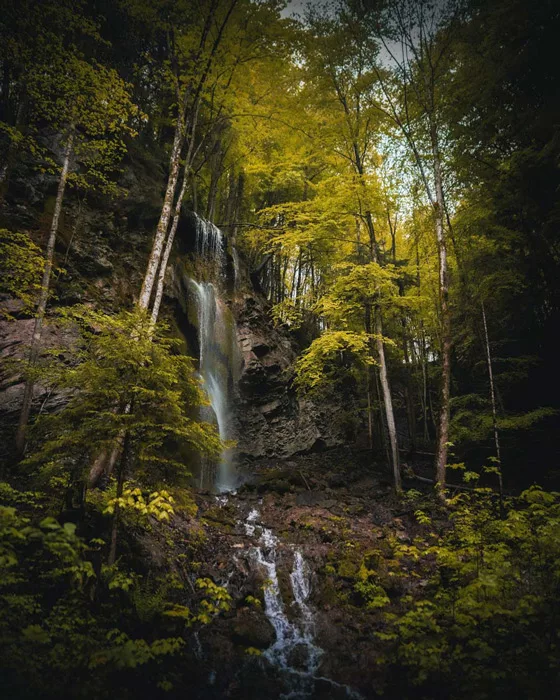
(294, 7)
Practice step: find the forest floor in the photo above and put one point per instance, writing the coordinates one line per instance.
(339, 510)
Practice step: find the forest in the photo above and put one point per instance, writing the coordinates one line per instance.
(279, 382)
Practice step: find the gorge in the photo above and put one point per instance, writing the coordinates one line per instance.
(279, 306)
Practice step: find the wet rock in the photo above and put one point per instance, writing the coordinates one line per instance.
(299, 657)
(252, 628)
(15, 337)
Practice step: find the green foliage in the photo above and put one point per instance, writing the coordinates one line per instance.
(493, 585)
(216, 600)
(125, 652)
(159, 503)
(58, 615)
(21, 268)
(469, 425)
(123, 361)
(321, 362)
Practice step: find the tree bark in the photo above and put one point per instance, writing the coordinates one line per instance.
(443, 427)
(43, 298)
(383, 374)
(493, 401)
(388, 401)
(163, 223)
(116, 514)
(168, 246)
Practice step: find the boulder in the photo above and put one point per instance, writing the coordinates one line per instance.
(251, 628)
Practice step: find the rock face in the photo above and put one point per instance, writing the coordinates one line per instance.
(15, 337)
(271, 420)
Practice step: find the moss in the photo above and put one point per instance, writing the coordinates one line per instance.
(219, 517)
(348, 567)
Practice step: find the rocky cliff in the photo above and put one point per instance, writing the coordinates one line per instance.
(271, 419)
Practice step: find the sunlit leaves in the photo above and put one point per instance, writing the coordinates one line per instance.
(322, 360)
(21, 267)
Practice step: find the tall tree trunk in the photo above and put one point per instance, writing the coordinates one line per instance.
(424, 395)
(409, 395)
(386, 391)
(443, 427)
(383, 374)
(174, 159)
(43, 297)
(121, 473)
(167, 251)
(493, 401)
(388, 401)
(163, 223)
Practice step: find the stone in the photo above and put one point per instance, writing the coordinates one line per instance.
(251, 628)
(271, 420)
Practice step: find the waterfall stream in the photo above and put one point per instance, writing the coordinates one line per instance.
(218, 351)
(294, 652)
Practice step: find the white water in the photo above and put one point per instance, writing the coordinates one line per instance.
(294, 652)
(210, 244)
(218, 345)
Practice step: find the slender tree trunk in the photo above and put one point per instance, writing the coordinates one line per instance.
(383, 374)
(386, 392)
(422, 359)
(383, 432)
(116, 514)
(493, 401)
(409, 394)
(174, 159)
(410, 412)
(163, 223)
(43, 298)
(443, 427)
(388, 401)
(168, 247)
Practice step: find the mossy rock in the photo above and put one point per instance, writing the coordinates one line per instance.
(216, 516)
(348, 568)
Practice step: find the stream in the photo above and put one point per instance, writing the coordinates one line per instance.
(294, 654)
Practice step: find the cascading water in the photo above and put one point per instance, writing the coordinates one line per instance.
(210, 244)
(218, 351)
(294, 652)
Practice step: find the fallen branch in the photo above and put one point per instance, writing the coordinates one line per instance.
(304, 480)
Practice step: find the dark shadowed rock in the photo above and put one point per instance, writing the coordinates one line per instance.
(271, 419)
(252, 628)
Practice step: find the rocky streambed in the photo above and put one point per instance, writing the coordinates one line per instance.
(306, 550)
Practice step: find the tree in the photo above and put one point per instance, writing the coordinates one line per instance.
(89, 106)
(192, 54)
(424, 32)
(123, 361)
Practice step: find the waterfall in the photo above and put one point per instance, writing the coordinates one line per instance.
(294, 652)
(218, 351)
(210, 245)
